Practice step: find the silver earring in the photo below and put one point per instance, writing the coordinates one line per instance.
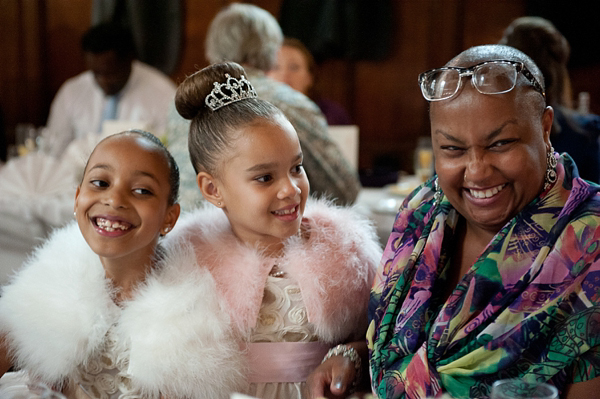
(218, 203)
(437, 197)
(74, 214)
(167, 229)
(551, 162)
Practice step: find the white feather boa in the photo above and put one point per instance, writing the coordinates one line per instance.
(58, 308)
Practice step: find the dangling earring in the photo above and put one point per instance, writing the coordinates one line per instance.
(437, 197)
(551, 163)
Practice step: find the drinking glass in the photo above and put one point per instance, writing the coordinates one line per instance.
(519, 389)
(28, 391)
(424, 159)
(26, 136)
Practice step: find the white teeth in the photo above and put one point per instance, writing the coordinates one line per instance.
(487, 193)
(107, 225)
(286, 212)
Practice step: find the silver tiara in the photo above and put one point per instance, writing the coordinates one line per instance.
(229, 92)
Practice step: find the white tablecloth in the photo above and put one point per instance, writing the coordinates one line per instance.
(381, 206)
(36, 195)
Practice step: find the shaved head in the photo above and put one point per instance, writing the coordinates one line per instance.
(491, 52)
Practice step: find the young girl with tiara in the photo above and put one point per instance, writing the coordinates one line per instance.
(104, 309)
(293, 273)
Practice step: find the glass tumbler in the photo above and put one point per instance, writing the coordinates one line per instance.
(519, 389)
(28, 391)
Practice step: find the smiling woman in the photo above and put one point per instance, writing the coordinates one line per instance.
(490, 271)
(490, 168)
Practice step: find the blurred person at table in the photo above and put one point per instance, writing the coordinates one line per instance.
(107, 308)
(296, 67)
(115, 87)
(572, 132)
(492, 267)
(251, 36)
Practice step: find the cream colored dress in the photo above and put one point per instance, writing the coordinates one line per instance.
(104, 376)
(282, 318)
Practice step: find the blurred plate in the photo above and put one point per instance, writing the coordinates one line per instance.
(405, 186)
(388, 205)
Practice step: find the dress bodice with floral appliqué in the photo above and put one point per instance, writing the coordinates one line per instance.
(104, 376)
(282, 318)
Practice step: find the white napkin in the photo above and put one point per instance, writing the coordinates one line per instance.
(38, 187)
(34, 175)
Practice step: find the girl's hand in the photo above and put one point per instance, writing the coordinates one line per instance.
(332, 379)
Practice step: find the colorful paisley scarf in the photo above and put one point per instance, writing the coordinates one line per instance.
(528, 307)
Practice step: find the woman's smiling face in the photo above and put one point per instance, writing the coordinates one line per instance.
(490, 153)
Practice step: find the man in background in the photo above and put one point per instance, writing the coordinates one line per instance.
(115, 87)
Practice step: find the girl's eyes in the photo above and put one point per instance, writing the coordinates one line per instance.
(104, 184)
(267, 178)
(142, 191)
(99, 183)
(264, 179)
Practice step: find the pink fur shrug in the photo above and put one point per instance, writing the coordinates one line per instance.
(334, 267)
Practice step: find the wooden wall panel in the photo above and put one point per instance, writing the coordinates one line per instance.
(40, 49)
(9, 67)
(67, 21)
(21, 70)
(198, 15)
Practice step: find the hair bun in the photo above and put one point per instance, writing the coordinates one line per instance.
(192, 92)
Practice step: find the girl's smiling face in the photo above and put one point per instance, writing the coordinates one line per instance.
(122, 204)
(261, 184)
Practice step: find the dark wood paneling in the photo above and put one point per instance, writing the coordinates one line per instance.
(40, 47)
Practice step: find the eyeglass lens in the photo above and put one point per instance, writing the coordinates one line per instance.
(442, 84)
(490, 78)
(495, 78)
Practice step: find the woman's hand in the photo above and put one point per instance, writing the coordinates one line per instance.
(332, 379)
(335, 377)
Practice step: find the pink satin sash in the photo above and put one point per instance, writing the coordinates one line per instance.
(284, 361)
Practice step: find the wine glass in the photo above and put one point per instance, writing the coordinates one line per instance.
(519, 389)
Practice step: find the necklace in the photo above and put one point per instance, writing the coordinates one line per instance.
(276, 271)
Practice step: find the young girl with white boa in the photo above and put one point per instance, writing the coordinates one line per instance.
(102, 309)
